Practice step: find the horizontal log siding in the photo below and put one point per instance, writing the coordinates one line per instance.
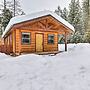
(32, 46)
(6, 46)
(18, 40)
(50, 47)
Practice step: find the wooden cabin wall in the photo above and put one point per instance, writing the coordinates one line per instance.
(50, 47)
(17, 41)
(20, 48)
(7, 44)
(25, 48)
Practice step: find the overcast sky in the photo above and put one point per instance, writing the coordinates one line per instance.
(38, 5)
(30, 6)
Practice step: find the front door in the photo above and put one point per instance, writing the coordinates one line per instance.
(39, 42)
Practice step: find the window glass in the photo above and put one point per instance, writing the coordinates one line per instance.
(25, 38)
(50, 38)
(60, 39)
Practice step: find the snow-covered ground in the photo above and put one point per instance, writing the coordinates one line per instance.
(65, 71)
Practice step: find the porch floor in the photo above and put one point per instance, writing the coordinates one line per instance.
(46, 53)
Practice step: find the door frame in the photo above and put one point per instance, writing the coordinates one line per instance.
(42, 41)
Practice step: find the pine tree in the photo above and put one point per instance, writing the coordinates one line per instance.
(7, 12)
(76, 38)
(4, 10)
(72, 14)
(18, 9)
(85, 9)
(76, 19)
(75, 15)
(86, 17)
(65, 14)
(58, 11)
(6, 16)
(10, 6)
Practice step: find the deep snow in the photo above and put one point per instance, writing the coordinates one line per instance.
(65, 71)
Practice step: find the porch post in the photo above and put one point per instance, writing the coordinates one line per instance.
(65, 41)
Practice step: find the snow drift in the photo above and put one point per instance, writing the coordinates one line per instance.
(65, 71)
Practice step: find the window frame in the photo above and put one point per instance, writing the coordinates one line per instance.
(29, 33)
(53, 39)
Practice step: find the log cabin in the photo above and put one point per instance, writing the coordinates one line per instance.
(37, 32)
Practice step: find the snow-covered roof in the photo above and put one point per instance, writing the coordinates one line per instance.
(23, 18)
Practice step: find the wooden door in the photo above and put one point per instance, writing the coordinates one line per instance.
(39, 42)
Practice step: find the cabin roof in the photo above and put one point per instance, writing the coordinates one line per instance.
(23, 18)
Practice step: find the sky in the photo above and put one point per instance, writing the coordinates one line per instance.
(31, 6)
(39, 5)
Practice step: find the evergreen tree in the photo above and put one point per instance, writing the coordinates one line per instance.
(72, 14)
(10, 6)
(59, 12)
(86, 18)
(18, 9)
(87, 37)
(85, 9)
(6, 16)
(75, 15)
(76, 19)
(7, 12)
(76, 38)
(65, 14)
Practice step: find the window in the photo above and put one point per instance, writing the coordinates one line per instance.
(60, 39)
(25, 38)
(50, 38)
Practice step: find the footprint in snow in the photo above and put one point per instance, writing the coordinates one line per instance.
(82, 71)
